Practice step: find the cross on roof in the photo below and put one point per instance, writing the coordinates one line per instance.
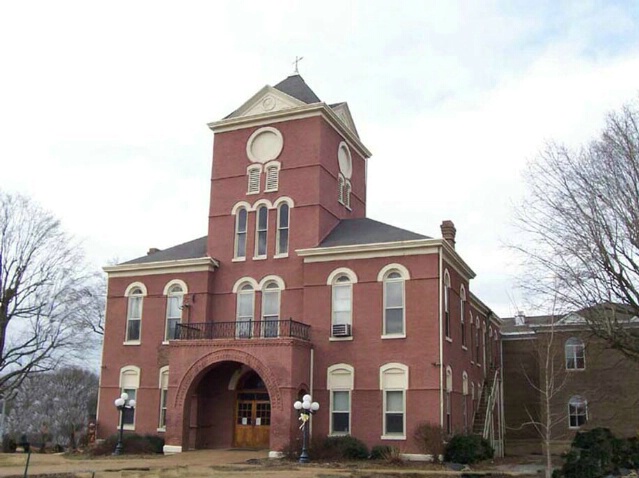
(297, 60)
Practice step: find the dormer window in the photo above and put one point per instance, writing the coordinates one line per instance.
(254, 172)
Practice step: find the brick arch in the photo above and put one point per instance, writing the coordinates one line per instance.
(228, 355)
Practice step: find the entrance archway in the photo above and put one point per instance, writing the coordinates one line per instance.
(252, 413)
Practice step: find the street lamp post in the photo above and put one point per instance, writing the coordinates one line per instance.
(121, 404)
(306, 408)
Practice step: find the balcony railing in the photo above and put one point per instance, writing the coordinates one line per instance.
(241, 330)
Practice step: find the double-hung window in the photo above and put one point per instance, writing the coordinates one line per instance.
(282, 229)
(394, 304)
(261, 231)
(174, 301)
(245, 311)
(270, 310)
(134, 314)
(447, 304)
(575, 354)
(340, 385)
(129, 384)
(394, 383)
(241, 222)
(164, 391)
(577, 411)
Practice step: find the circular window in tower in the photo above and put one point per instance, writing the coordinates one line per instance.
(344, 160)
(264, 145)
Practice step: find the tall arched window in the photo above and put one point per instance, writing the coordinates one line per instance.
(462, 309)
(245, 311)
(449, 391)
(577, 411)
(394, 304)
(477, 341)
(241, 221)
(129, 384)
(261, 231)
(447, 304)
(394, 383)
(575, 354)
(465, 400)
(164, 391)
(174, 301)
(340, 385)
(270, 309)
(342, 306)
(135, 294)
(283, 212)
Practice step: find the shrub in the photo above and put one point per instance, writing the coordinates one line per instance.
(340, 448)
(379, 452)
(9, 445)
(430, 439)
(132, 444)
(468, 449)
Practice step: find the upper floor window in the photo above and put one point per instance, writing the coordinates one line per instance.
(340, 385)
(270, 309)
(164, 392)
(254, 172)
(241, 221)
(283, 213)
(245, 310)
(272, 176)
(447, 304)
(175, 297)
(261, 231)
(575, 354)
(341, 282)
(477, 341)
(577, 411)
(129, 384)
(394, 383)
(135, 294)
(394, 277)
(462, 310)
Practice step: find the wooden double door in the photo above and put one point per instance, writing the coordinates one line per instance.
(252, 419)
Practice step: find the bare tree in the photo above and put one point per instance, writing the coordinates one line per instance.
(44, 291)
(582, 218)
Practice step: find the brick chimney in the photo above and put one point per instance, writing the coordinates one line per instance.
(152, 250)
(448, 232)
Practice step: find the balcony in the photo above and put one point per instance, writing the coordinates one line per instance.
(243, 330)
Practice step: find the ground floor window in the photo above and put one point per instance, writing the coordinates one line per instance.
(577, 411)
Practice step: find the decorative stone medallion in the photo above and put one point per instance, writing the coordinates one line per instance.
(264, 145)
(344, 160)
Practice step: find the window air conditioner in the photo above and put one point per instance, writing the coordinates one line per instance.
(341, 330)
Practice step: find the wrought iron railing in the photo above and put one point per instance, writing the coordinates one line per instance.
(240, 330)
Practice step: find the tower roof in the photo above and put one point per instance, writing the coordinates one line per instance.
(296, 87)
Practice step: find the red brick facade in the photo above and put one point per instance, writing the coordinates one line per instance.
(206, 368)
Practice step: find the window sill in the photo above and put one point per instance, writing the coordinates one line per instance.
(393, 336)
(448, 339)
(569, 370)
(132, 342)
(340, 339)
(259, 258)
(165, 342)
(128, 427)
(280, 256)
(478, 364)
(393, 437)
(238, 259)
(161, 430)
(271, 190)
(464, 347)
(339, 434)
(252, 193)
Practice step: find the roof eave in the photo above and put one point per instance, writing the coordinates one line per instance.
(145, 267)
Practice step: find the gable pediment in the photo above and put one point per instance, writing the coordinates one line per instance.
(344, 114)
(267, 100)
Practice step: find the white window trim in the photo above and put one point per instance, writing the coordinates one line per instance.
(163, 370)
(351, 371)
(263, 287)
(382, 371)
(256, 255)
(136, 370)
(129, 294)
(402, 279)
(279, 255)
(169, 294)
(236, 235)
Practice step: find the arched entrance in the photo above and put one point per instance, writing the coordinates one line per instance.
(252, 412)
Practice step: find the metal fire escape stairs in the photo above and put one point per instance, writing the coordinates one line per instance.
(483, 421)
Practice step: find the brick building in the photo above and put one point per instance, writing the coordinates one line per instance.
(594, 385)
(295, 290)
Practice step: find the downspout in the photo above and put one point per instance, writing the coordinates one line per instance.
(441, 341)
(106, 302)
(310, 386)
(502, 425)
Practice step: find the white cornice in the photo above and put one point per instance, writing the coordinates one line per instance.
(200, 264)
(453, 258)
(304, 111)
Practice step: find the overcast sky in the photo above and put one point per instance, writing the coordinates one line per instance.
(104, 105)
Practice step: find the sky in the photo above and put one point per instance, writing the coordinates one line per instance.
(104, 107)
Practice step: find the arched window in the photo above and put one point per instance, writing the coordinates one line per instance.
(340, 385)
(465, 399)
(447, 304)
(254, 172)
(477, 341)
(577, 411)
(462, 308)
(174, 301)
(164, 391)
(272, 176)
(261, 231)
(342, 306)
(129, 384)
(449, 391)
(270, 309)
(575, 354)
(245, 311)
(135, 295)
(283, 212)
(241, 221)
(394, 304)
(394, 383)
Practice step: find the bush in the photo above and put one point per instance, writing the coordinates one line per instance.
(132, 444)
(340, 448)
(430, 439)
(9, 445)
(468, 449)
(379, 452)
(597, 453)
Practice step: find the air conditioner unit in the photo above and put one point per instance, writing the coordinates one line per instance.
(342, 330)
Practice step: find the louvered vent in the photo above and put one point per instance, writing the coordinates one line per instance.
(347, 194)
(340, 185)
(254, 180)
(272, 178)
